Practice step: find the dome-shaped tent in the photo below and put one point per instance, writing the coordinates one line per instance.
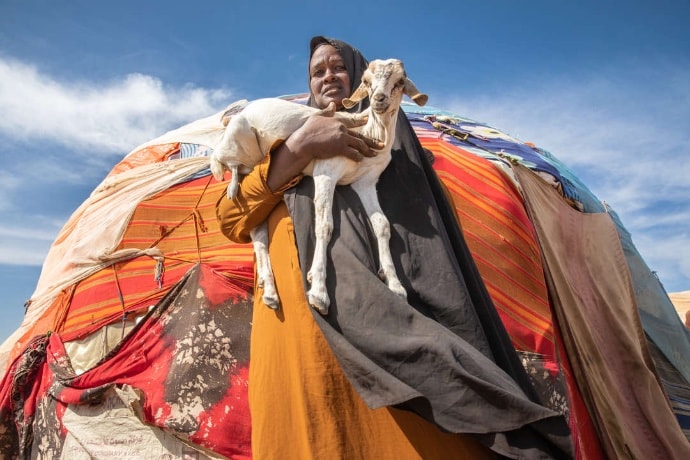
(143, 308)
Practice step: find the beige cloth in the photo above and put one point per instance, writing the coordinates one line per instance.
(681, 301)
(595, 307)
(113, 429)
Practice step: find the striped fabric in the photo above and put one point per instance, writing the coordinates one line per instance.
(181, 223)
(502, 241)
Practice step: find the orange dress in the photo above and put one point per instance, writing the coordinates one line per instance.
(302, 405)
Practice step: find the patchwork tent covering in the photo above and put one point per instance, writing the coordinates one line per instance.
(141, 316)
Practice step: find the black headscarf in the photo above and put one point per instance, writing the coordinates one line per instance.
(442, 353)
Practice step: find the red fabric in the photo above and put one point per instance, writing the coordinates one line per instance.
(189, 357)
(25, 382)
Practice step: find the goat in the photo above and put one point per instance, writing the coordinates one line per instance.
(252, 133)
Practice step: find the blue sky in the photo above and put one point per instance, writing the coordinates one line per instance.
(603, 85)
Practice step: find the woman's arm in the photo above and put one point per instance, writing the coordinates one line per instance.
(262, 189)
(251, 206)
(319, 137)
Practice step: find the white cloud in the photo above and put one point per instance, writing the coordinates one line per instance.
(114, 116)
(8, 183)
(62, 137)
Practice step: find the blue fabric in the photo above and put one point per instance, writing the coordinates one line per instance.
(193, 150)
(496, 146)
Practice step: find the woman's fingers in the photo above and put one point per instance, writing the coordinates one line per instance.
(364, 145)
(325, 137)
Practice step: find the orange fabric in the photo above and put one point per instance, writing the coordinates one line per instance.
(302, 405)
(502, 242)
(181, 223)
(152, 154)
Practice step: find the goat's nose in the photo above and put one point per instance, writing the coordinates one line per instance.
(378, 97)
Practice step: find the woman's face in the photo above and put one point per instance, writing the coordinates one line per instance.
(328, 78)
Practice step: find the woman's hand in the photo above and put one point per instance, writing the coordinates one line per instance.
(320, 137)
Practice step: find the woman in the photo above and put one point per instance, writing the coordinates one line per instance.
(313, 379)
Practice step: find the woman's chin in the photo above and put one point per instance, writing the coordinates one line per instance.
(338, 102)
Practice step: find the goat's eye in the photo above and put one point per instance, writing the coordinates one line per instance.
(400, 83)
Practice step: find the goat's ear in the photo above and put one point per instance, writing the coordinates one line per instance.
(359, 94)
(413, 93)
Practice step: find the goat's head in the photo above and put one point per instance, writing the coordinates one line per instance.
(385, 82)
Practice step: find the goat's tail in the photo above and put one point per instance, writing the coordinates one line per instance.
(218, 171)
(217, 167)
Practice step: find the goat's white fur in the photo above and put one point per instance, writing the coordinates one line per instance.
(251, 134)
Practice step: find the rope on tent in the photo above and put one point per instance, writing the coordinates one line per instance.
(105, 260)
(199, 226)
(199, 221)
(120, 256)
(121, 297)
(462, 136)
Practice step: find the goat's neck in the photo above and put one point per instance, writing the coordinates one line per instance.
(382, 127)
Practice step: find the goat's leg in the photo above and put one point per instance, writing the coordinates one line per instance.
(381, 226)
(264, 270)
(234, 184)
(324, 187)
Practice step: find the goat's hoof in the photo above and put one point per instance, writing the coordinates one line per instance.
(270, 295)
(231, 192)
(319, 302)
(271, 302)
(382, 275)
(397, 288)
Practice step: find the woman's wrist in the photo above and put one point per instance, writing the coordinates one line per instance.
(287, 162)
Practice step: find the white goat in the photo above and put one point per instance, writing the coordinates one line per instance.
(250, 135)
